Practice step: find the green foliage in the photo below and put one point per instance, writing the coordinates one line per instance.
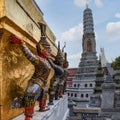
(116, 64)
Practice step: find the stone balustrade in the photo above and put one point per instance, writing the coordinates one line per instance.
(58, 111)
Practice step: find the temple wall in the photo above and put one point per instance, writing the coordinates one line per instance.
(16, 71)
(18, 17)
(21, 17)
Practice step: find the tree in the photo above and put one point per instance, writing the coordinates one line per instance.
(116, 64)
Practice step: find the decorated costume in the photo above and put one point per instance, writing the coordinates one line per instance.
(54, 84)
(65, 75)
(58, 84)
(39, 84)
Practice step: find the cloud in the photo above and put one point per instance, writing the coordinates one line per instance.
(80, 3)
(117, 15)
(73, 34)
(74, 56)
(113, 30)
(74, 60)
(98, 3)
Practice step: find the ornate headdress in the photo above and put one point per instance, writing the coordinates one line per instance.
(43, 42)
(59, 57)
(65, 64)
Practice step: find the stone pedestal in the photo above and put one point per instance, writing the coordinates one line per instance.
(58, 111)
(108, 97)
(117, 99)
(108, 92)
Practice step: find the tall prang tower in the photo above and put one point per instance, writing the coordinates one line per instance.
(83, 82)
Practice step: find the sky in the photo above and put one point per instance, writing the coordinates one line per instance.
(65, 19)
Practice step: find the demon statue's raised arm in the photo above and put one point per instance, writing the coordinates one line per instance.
(39, 84)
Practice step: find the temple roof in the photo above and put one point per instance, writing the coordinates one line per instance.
(72, 71)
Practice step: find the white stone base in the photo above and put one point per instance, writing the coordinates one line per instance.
(58, 111)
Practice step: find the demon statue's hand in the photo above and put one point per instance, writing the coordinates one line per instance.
(15, 40)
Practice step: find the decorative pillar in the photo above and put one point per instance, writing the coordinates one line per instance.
(108, 96)
(108, 93)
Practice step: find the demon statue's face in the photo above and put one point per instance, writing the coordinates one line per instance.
(43, 48)
(46, 51)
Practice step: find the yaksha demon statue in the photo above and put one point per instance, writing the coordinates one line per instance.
(64, 76)
(62, 79)
(55, 81)
(39, 84)
(58, 83)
